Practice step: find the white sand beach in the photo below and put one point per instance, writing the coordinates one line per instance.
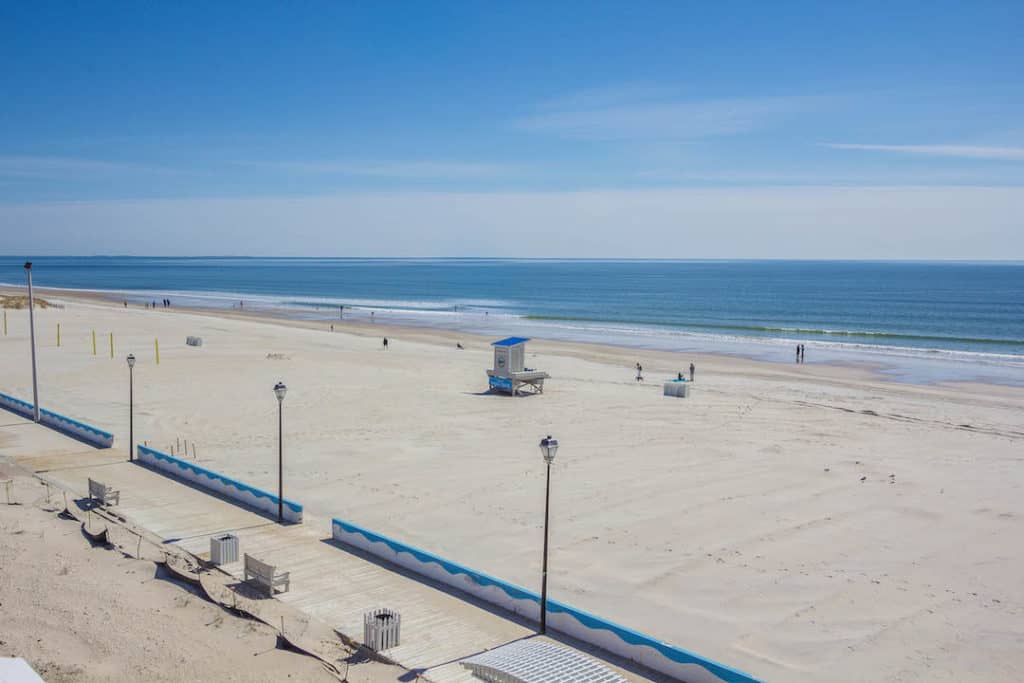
(802, 523)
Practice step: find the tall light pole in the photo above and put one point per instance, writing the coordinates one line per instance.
(548, 448)
(32, 337)
(279, 390)
(131, 407)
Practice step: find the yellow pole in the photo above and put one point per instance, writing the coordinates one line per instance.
(58, 335)
(111, 344)
(94, 342)
(156, 344)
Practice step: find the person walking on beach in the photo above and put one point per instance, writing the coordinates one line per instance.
(803, 351)
(797, 353)
(385, 343)
(693, 370)
(639, 372)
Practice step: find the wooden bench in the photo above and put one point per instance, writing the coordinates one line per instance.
(266, 576)
(103, 493)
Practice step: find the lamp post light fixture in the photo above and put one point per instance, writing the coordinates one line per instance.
(32, 339)
(131, 406)
(280, 390)
(548, 448)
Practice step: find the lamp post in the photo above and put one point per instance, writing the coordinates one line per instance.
(32, 338)
(548, 448)
(131, 407)
(279, 390)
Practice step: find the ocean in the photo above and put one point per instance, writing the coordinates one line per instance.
(916, 321)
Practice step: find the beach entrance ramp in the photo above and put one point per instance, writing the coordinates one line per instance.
(510, 374)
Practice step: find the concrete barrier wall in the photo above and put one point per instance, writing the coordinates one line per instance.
(218, 483)
(81, 431)
(627, 643)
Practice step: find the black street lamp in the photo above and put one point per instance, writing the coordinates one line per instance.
(279, 390)
(131, 407)
(548, 448)
(32, 337)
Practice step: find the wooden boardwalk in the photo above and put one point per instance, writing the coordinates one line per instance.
(329, 582)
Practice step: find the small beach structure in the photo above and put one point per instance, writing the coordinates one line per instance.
(510, 374)
(530, 661)
(679, 388)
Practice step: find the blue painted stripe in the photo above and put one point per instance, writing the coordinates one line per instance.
(217, 476)
(29, 410)
(451, 567)
(627, 635)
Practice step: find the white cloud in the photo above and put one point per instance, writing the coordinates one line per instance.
(738, 222)
(962, 151)
(628, 93)
(64, 167)
(389, 169)
(659, 120)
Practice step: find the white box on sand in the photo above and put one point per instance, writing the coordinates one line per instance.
(677, 388)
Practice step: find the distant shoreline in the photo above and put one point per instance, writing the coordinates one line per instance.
(878, 364)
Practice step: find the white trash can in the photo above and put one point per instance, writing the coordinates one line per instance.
(381, 629)
(224, 549)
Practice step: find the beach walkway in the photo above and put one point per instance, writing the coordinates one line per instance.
(330, 582)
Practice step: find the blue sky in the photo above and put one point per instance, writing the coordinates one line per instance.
(427, 129)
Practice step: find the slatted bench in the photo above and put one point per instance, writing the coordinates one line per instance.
(266, 576)
(103, 493)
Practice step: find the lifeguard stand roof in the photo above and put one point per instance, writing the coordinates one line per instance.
(510, 341)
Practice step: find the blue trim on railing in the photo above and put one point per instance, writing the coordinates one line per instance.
(29, 411)
(451, 567)
(627, 635)
(672, 652)
(202, 471)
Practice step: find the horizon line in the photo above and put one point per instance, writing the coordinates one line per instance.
(1012, 261)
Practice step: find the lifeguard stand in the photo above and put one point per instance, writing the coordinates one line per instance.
(510, 374)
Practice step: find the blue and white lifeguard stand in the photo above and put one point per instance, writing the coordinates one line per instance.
(510, 374)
